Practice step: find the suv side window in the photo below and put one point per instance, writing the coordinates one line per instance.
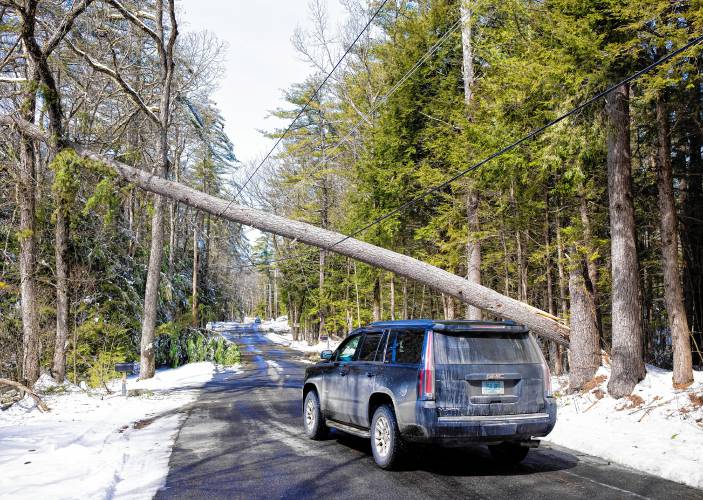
(404, 346)
(370, 346)
(345, 352)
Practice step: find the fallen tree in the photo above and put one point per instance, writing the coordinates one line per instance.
(540, 322)
(24, 389)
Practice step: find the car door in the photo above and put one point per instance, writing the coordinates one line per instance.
(361, 377)
(336, 379)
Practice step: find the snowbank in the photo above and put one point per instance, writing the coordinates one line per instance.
(656, 430)
(93, 444)
(300, 345)
(278, 325)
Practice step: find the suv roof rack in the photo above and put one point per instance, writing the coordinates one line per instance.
(455, 325)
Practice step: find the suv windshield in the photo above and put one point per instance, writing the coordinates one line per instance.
(485, 348)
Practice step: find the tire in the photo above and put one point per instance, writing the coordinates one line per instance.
(386, 443)
(313, 421)
(507, 453)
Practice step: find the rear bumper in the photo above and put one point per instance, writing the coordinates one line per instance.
(478, 429)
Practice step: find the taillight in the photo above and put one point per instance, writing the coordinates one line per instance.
(425, 386)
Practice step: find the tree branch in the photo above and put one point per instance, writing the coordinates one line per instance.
(65, 27)
(101, 68)
(137, 22)
(40, 404)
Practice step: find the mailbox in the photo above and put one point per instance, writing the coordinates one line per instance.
(124, 369)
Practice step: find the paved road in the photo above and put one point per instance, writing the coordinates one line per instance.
(243, 438)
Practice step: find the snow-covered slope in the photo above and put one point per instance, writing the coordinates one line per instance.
(656, 430)
(93, 444)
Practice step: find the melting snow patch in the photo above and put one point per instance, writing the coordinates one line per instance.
(300, 345)
(657, 429)
(93, 444)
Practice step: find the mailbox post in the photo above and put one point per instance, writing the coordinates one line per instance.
(124, 369)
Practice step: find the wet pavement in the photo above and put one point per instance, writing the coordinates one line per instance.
(243, 438)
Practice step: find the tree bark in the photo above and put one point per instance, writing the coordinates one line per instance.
(673, 290)
(28, 258)
(151, 293)
(540, 322)
(377, 299)
(392, 298)
(627, 328)
(584, 359)
(590, 262)
(58, 368)
(473, 244)
(405, 298)
(196, 267)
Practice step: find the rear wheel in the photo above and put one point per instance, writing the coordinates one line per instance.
(508, 453)
(386, 443)
(315, 426)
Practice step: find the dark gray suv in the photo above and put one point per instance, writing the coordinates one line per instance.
(447, 382)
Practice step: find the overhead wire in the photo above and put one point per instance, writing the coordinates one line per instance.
(531, 135)
(306, 105)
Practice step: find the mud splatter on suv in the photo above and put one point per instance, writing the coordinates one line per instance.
(446, 382)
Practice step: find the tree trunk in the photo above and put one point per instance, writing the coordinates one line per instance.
(540, 322)
(58, 368)
(196, 267)
(321, 307)
(405, 298)
(584, 359)
(473, 244)
(151, 293)
(358, 306)
(627, 330)
(673, 291)
(392, 298)
(377, 299)
(590, 262)
(28, 258)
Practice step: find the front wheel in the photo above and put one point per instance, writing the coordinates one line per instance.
(386, 443)
(315, 426)
(508, 453)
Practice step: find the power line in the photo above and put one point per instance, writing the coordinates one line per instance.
(307, 104)
(534, 133)
(382, 100)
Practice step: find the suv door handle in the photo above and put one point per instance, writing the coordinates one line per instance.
(371, 373)
(343, 371)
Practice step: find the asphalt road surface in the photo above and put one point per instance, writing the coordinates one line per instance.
(243, 438)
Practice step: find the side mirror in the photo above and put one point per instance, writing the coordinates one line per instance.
(326, 355)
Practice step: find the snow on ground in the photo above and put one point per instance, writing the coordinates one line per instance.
(93, 444)
(278, 331)
(300, 345)
(656, 430)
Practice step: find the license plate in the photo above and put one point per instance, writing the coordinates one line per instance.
(492, 387)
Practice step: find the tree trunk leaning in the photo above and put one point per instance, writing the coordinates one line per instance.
(540, 322)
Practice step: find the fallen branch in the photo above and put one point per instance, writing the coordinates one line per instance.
(40, 404)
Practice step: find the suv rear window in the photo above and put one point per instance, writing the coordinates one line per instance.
(485, 348)
(405, 346)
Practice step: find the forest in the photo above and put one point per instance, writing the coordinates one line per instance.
(597, 221)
